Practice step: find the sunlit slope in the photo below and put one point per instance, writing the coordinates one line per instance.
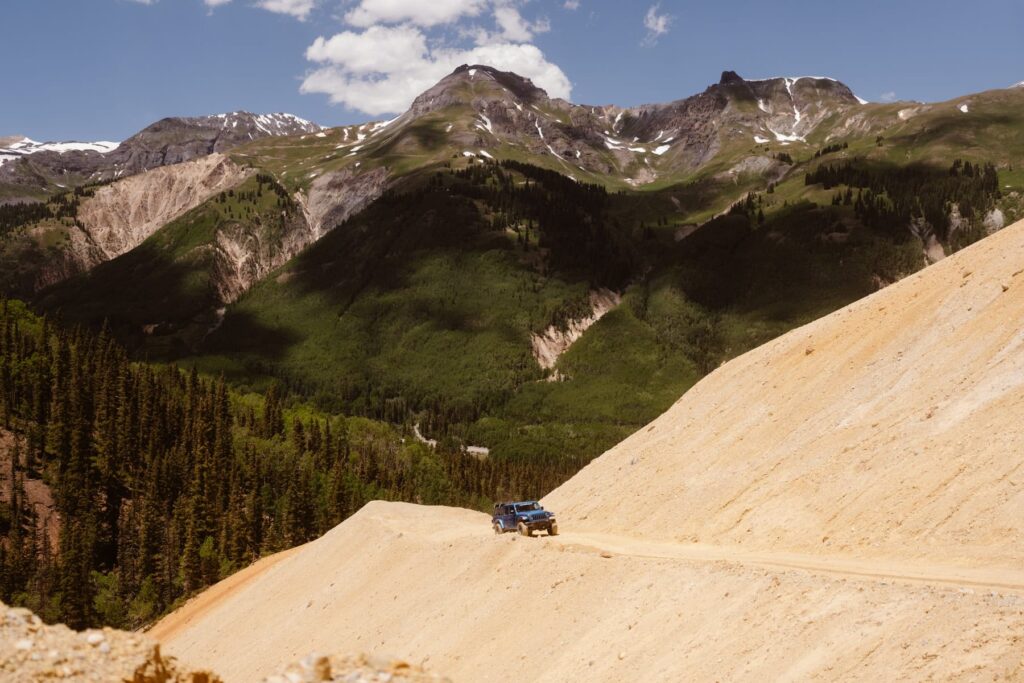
(890, 428)
(432, 585)
(874, 457)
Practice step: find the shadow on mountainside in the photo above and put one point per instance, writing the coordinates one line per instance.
(158, 306)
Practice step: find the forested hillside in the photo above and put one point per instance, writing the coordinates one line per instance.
(422, 307)
(164, 481)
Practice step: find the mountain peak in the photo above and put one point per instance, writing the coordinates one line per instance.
(730, 77)
(471, 81)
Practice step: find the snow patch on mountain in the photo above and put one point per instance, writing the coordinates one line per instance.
(26, 146)
(279, 123)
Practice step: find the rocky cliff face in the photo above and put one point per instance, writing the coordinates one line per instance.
(122, 215)
(336, 196)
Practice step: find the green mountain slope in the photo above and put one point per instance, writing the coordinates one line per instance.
(491, 214)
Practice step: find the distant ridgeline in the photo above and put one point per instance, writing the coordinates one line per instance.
(166, 482)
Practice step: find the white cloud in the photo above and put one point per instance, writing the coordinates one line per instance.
(656, 24)
(382, 69)
(514, 27)
(418, 12)
(299, 9)
(144, 2)
(378, 49)
(572, 5)
(888, 97)
(405, 47)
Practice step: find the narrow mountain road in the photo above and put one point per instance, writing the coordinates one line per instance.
(880, 569)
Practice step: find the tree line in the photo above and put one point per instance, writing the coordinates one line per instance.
(891, 197)
(165, 481)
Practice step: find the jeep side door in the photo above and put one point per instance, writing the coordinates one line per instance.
(508, 517)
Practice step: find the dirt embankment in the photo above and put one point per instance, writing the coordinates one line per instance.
(845, 502)
(37, 493)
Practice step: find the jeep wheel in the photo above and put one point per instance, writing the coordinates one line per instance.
(524, 530)
(497, 529)
(553, 530)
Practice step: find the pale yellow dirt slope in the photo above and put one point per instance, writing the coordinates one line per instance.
(846, 502)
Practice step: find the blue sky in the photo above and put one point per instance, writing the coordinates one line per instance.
(102, 69)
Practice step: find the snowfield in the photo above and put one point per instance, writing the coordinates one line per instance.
(27, 146)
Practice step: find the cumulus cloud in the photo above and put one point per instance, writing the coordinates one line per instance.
(571, 5)
(418, 12)
(514, 27)
(381, 70)
(888, 97)
(656, 24)
(396, 49)
(299, 9)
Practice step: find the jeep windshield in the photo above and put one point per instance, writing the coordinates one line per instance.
(528, 507)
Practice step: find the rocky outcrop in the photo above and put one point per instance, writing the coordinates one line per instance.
(994, 221)
(353, 669)
(556, 340)
(122, 215)
(334, 197)
(245, 253)
(33, 651)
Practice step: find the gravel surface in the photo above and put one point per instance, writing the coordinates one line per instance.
(33, 651)
(361, 669)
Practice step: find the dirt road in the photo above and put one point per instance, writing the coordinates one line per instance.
(880, 569)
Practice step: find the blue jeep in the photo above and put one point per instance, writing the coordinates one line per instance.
(525, 517)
